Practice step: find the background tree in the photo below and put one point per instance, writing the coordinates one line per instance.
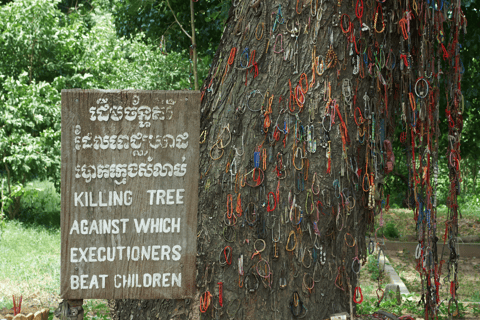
(298, 114)
(47, 46)
(471, 68)
(157, 18)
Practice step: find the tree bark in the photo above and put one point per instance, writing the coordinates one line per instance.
(284, 163)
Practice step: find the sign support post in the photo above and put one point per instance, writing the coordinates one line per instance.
(70, 310)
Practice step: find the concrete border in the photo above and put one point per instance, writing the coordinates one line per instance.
(393, 276)
(466, 250)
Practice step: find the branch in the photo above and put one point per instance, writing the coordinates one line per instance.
(194, 45)
(168, 4)
(167, 29)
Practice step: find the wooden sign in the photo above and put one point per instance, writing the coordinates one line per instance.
(129, 194)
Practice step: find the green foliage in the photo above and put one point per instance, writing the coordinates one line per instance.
(32, 41)
(30, 129)
(372, 267)
(2, 220)
(44, 50)
(6, 302)
(390, 231)
(470, 205)
(40, 204)
(96, 310)
(29, 137)
(476, 311)
(2, 223)
(154, 19)
(475, 296)
(112, 63)
(409, 306)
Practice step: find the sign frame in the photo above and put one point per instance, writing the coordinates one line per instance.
(129, 170)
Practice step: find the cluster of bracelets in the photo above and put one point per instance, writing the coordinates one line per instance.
(300, 112)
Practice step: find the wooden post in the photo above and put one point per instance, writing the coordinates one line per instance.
(351, 303)
(70, 310)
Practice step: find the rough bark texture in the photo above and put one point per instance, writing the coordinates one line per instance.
(300, 74)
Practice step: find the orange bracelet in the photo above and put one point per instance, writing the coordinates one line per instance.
(304, 76)
(238, 209)
(205, 300)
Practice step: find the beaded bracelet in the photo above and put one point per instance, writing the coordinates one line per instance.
(292, 232)
(221, 155)
(258, 251)
(266, 274)
(251, 95)
(252, 212)
(249, 286)
(225, 234)
(305, 282)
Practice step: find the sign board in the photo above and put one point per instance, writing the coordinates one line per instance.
(129, 194)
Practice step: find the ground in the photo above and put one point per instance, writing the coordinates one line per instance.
(32, 269)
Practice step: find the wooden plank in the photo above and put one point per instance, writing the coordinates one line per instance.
(129, 194)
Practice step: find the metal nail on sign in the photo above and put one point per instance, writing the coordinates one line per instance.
(129, 194)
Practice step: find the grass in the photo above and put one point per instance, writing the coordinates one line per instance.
(96, 310)
(30, 267)
(30, 264)
(404, 223)
(6, 302)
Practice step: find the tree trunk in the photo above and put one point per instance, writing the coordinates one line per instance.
(294, 119)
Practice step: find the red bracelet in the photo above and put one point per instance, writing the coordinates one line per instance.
(269, 207)
(348, 23)
(358, 290)
(228, 254)
(359, 10)
(220, 293)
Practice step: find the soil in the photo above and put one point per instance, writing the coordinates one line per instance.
(28, 306)
(31, 303)
(34, 305)
(33, 299)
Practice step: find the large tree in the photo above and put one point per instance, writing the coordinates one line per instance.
(298, 114)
